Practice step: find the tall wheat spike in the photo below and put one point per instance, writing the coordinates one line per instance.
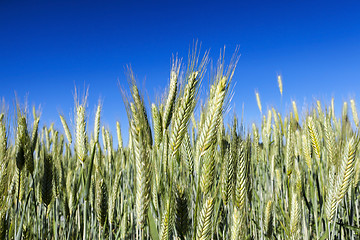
(187, 153)
(157, 125)
(28, 154)
(142, 174)
(183, 113)
(314, 136)
(295, 111)
(280, 84)
(237, 222)
(330, 203)
(4, 166)
(47, 179)
(81, 138)
(289, 159)
(344, 176)
(21, 138)
(181, 213)
(166, 223)
(66, 129)
(241, 177)
(114, 194)
(230, 165)
(170, 101)
(208, 171)
(295, 214)
(307, 150)
(205, 220)
(119, 136)
(3, 139)
(330, 142)
(354, 112)
(101, 201)
(258, 101)
(34, 135)
(228, 176)
(140, 110)
(97, 123)
(207, 136)
(268, 219)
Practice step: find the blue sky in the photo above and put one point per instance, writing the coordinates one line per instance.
(48, 47)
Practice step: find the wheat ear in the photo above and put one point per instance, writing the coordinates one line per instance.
(81, 138)
(344, 177)
(47, 179)
(183, 113)
(66, 129)
(170, 101)
(204, 227)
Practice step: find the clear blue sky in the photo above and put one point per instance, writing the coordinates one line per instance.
(48, 47)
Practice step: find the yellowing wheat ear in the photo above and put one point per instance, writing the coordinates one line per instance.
(296, 114)
(280, 84)
(354, 112)
(257, 95)
(268, 219)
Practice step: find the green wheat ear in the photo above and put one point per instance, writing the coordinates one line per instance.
(237, 224)
(208, 132)
(343, 179)
(231, 157)
(119, 136)
(183, 112)
(66, 129)
(314, 136)
(3, 139)
(158, 131)
(208, 171)
(170, 101)
(47, 179)
(227, 182)
(101, 201)
(241, 179)
(204, 227)
(187, 153)
(21, 139)
(289, 157)
(268, 219)
(142, 168)
(181, 214)
(167, 222)
(97, 123)
(81, 137)
(295, 216)
(34, 135)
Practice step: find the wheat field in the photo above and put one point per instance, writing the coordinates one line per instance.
(187, 173)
